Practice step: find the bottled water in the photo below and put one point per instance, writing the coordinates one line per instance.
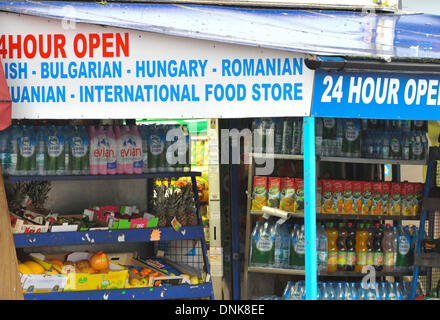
(406, 150)
(386, 146)
(398, 289)
(391, 291)
(331, 291)
(322, 245)
(282, 246)
(378, 147)
(40, 151)
(340, 292)
(67, 133)
(286, 294)
(348, 293)
(13, 150)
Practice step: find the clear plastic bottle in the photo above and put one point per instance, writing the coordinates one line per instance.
(383, 290)
(331, 291)
(282, 246)
(322, 248)
(67, 133)
(4, 137)
(388, 249)
(398, 290)
(40, 151)
(286, 294)
(392, 295)
(406, 150)
(378, 144)
(325, 292)
(340, 292)
(354, 291)
(348, 294)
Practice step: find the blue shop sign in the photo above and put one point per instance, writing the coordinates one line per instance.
(379, 95)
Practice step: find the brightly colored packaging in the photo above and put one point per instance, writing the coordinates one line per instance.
(377, 206)
(111, 152)
(388, 248)
(367, 197)
(274, 192)
(263, 244)
(361, 249)
(136, 150)
(408, 199)
(259, 194)
(319, 197)
(418, 191)
(327, 198)
(124, 146)
(386, 198)
(288, 190)
(396, 199)
(348, 197)
(338, 196)
(357, 197)
(299, 195)
(332, 237)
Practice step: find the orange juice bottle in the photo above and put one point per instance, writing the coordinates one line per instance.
(361, 248)
(332, 237)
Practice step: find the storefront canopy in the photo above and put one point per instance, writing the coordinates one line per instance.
(324, 33)
(5, 101)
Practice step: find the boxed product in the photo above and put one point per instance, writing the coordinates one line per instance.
(408, 199)
(274, 192)
(338, 196)
(357, 197)
(377, 205)
(299, 195)
(348, 197)
(386, 198)
(366, 197)
(396, 199)
(288, 191)
(259, 193)
(327, 197)
(115, 278)
(47, 280)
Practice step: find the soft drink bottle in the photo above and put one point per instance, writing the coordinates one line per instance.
(395, 246)
(361, 248)
(342, 248)
(370, 246)
(322, 248)
(111, 150)
(388, 249)
(351, 247)
(332, 236)
(403, 250)
(377, 247)
(138, 157)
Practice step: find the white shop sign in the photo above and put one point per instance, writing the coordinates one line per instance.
(104, 72)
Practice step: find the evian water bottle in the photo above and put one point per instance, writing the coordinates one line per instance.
(111, 150)
(136, 150)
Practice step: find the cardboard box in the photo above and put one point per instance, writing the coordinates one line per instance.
(114, 279)
(20, 227)
(65, 227)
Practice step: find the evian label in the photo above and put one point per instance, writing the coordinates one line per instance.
(103, 149)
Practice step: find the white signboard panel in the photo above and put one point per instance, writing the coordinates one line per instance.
(92, 71)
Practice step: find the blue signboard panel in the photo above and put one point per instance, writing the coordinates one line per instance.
(379, 95)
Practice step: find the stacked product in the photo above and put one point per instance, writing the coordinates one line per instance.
(340, 196)
(350, 248)
(350, 291)
(101, 150)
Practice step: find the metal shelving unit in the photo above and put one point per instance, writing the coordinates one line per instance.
(91, 237)
(319, 216)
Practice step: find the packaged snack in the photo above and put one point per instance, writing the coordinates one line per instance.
(357, 197)
(377, 205)
(299, 195)
(418, 196)
(259, 193)
(386, 202)
(396, 198)
(274, 192)
(366, 197)
(348, 197)
(288, 190)
(408, 199)
(338, 197)
(319, 196)
(327, 198)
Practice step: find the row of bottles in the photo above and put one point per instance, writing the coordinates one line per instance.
(342, 248)
(75, 150)
(347, 248)
(351, 291)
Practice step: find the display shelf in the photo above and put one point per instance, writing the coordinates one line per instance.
(104, 236)
(105, 177)
(276, 271)
(276, 156)
(331, 216)
(156, 293)
(326, 273)
(373, 161)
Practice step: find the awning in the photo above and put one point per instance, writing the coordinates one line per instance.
(324, 33)
(5, 101)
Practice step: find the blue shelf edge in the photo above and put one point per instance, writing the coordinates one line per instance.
(104, 236)
(157, 293)
(104, 177)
